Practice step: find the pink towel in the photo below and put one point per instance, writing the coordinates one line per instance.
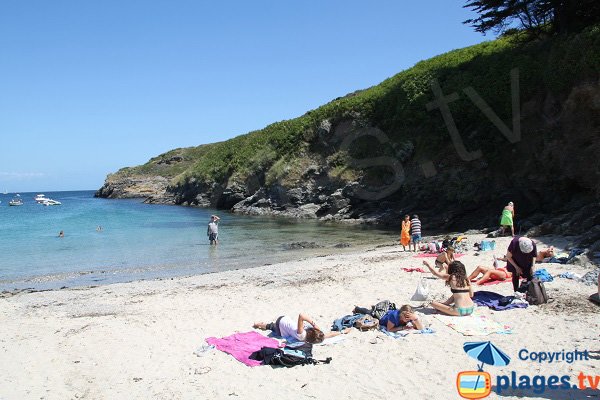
(431, 255)
(242, 345)
(413, 269)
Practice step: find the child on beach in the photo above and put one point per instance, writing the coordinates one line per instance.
(445, 259)
(460, 303)
(402, 319)
(303, 330)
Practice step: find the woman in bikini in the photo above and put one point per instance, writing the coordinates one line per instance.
(496, 273)
(460, 303)
(445, 259)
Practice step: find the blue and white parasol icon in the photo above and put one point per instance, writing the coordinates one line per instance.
(486, 353)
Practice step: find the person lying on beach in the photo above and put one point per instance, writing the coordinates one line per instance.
(445, 259)
(546, 253)
(460, 303)
(394, 320)
(304, 330)
(495, 273)
(402, 319)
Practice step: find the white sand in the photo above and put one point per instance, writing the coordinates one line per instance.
(137, 340)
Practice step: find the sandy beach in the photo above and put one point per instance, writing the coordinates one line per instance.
(137, 340)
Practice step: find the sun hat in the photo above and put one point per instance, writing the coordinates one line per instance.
(526, 245)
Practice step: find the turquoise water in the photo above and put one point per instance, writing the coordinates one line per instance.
(141, 241)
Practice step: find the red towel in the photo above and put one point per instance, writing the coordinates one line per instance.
(413, 269)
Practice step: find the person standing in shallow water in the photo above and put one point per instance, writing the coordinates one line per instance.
(213, 230)
(405, 233)
(507, 217)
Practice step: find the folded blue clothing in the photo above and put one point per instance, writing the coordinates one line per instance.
(347, 321)
(543, 275)
(496, 301)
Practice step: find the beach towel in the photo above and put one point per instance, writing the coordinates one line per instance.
(496, 301)
(405, 234)
(242, 345)
(332, 340)
(429, 255)
(495, 282)
(506, 219)
(413, 269)
(475, 324)
(401, 334)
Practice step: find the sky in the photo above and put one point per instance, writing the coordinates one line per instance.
(89, 87)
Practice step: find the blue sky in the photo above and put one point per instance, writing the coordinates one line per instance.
(89, 87)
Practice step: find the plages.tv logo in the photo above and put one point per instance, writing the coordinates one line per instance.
(478, 384)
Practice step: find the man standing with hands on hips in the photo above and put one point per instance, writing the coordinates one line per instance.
(213, 230)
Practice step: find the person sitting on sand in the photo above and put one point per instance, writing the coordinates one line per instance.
(546, 253)
(402, 319)
(445, 259)
(507, 217)
(461, 289)
(304, 330)
(496, 273)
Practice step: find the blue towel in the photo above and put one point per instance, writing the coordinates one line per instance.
(401, 334)
(495, 301)
(543, 275)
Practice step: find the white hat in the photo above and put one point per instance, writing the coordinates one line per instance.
(526, 245)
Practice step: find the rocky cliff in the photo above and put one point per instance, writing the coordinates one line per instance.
(410, 148)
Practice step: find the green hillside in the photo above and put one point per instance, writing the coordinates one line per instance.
(397, 106)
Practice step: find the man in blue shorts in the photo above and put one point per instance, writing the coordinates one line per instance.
(213, 230)
(415, 230)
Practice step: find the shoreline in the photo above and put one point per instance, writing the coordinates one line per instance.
(137, 339)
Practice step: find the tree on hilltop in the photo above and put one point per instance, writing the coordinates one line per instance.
(535, 16)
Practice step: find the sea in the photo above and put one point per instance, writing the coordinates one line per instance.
(121, 240)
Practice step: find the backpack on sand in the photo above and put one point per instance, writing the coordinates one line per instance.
(366, 323)
(288, 356)
(536, 293)
(381, 308)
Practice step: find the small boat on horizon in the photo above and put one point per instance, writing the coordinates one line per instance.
(16, 201)
(50, 202)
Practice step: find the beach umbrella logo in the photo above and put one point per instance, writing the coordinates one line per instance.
(478, 384)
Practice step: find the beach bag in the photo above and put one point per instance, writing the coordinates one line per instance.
(381, 308)
(288, 356)
(536, 293)
(422, 291)
(366, 322)
(487, 245)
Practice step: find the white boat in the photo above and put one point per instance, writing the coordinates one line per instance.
(50, 202)
(16, 201)
(40, 198)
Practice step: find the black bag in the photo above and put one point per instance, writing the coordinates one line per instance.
(536, 292)
(381, 308)
(288, 356)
